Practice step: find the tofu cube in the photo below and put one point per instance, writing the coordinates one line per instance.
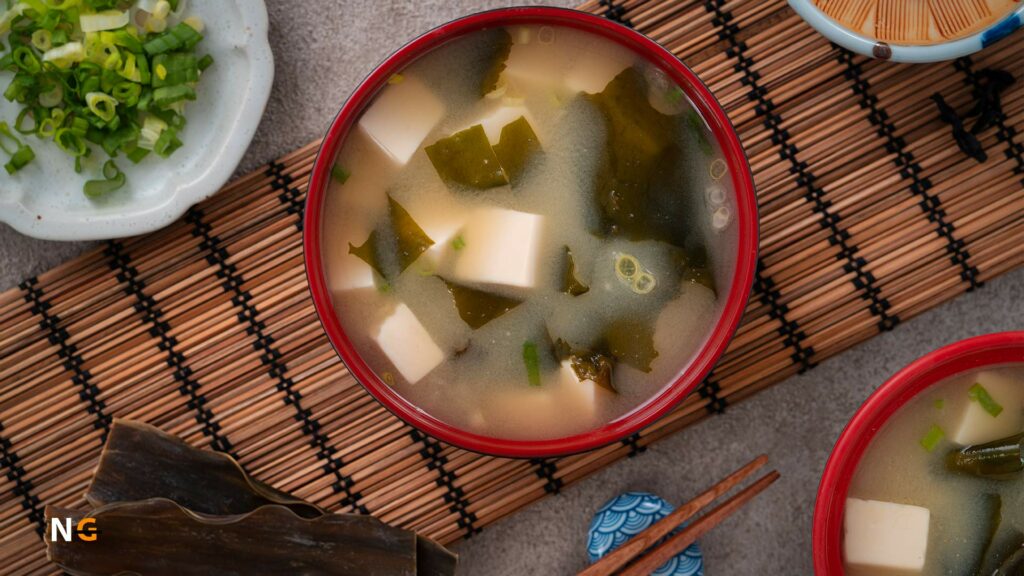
(408, 345)
(977, 426)
(595, 69)
(885, 536)
(401, 117)
(582, 396)
(502, 247)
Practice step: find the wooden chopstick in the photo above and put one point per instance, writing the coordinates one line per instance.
(689, 535)
(636, 545)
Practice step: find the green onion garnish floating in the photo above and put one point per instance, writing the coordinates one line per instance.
(89, 77)
(932, 438)
(978, 394)
(532, 361)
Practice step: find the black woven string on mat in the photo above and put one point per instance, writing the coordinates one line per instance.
(232, 283)
(616, 12)
(290, 196)
(547, 470)
(454, 495)
(910, 170)
(23, 486)
(789, 329)
(152, 316)
(72, 361)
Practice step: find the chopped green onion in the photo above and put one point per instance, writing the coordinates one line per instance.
(25, 59)
(532, 361)
(458, 243)
(85, 76)
(64, 56)
(21, 154)
(102, 105)
(396, 79)
(939, 403)
(113, 179)
(932, 438)
(106, 20)
(20, 159)
(181, 37)
(70, 141)
(42, 39)
(168, 95)
(978, 394)
(626, 266)
(644, 283)
(339, 174)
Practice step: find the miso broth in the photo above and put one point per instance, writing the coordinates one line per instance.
(926, 457)
(529, 231)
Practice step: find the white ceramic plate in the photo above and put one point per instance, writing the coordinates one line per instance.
(45, 198)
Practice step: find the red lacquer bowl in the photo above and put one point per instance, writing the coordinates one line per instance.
(745, 213)
(964, 356)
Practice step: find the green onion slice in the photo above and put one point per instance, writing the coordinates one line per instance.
(532, 361)
(113, 179)
(979, 394)
(932, 438)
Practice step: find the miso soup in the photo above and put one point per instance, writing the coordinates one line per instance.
(528, 232)
(940, 489)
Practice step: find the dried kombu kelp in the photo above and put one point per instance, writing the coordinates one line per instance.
(157, 537)
(631, 342)
(571, 284)
(588, 364)
(516, 147)
(497, 57)
(467, 158)
(408, 239)
(637, 185)
(477, 307)
(141, 462)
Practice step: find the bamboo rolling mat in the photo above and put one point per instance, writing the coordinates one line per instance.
(869, 215)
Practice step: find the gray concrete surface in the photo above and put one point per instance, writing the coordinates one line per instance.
(323, 48)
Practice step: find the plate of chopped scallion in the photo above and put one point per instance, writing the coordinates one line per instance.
(118, 115)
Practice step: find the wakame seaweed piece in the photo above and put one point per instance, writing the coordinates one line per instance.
(588, 364)
(1006, 542)
(408, 239)
(999, 459)
(696, 267)
(1013, 565)
(517, 145)
(368, 252)
(498, 56)
(467, 158)
(478, 307)
(571, 283)
(139, 462)
(631, 342)
(637, 185)
(158, 537)
(992, 512)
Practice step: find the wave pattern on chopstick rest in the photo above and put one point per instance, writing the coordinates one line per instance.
(870, 215)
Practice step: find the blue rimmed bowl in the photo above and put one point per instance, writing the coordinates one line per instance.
(913, 53)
